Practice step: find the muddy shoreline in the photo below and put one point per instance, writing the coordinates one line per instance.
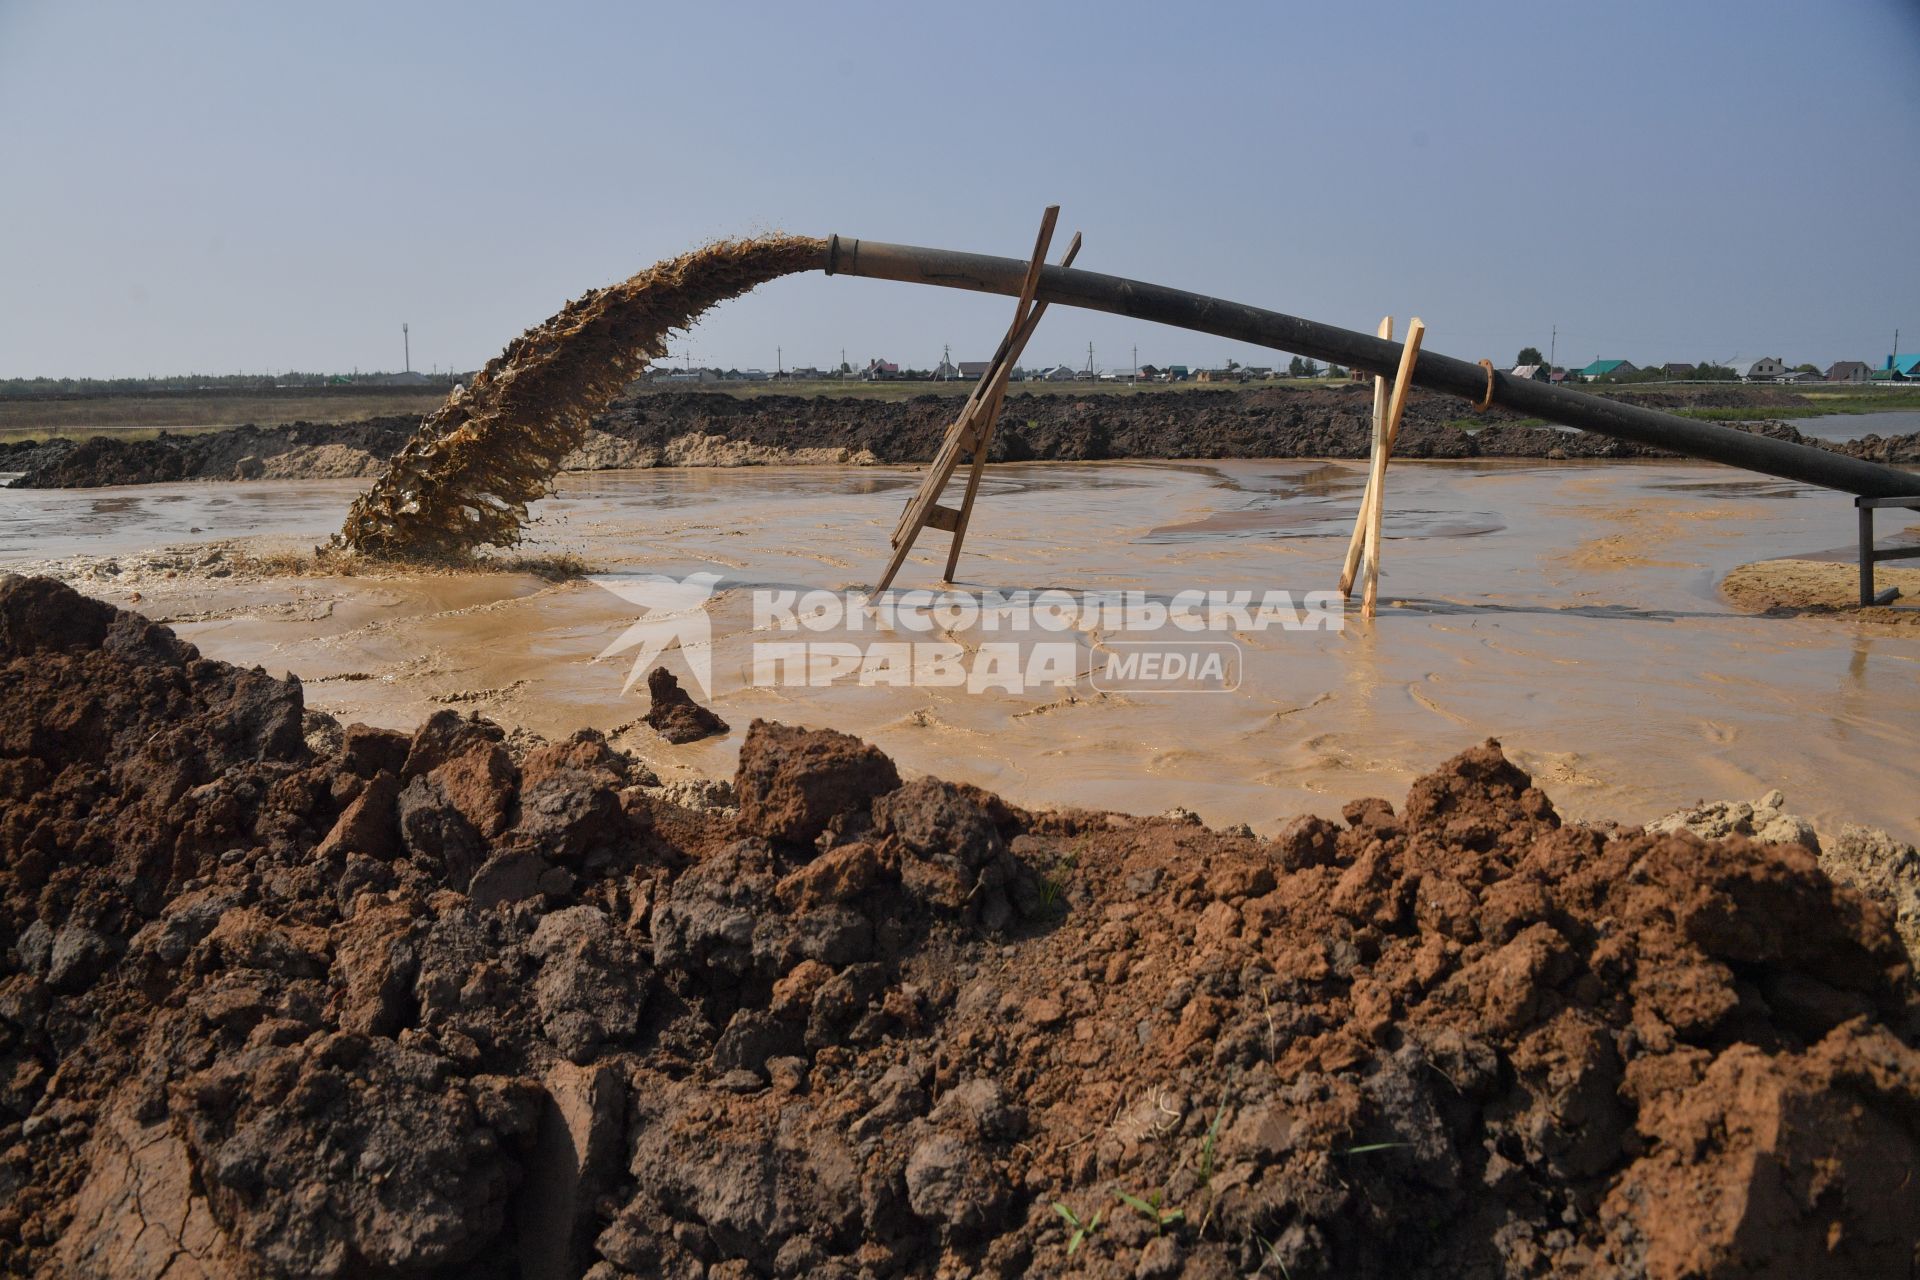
(695, 428)
(286, 997)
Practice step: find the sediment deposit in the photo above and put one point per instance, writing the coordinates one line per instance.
(1823, 587)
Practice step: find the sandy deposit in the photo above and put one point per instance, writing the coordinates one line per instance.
(289, 1000)
(1824, 587)
(603, 451)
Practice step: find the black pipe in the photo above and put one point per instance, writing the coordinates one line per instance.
(987, 274)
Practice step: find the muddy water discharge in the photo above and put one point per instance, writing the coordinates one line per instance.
(465, 479)
(1570, 609)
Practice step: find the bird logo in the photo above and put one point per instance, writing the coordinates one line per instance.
(676, 613)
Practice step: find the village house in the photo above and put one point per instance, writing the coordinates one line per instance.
(1600, 369)
(1530, 372)
(1849, 371)
(974, 370)
(880, 371)
(1678, 370)
(1766, 369)
(1899, 368)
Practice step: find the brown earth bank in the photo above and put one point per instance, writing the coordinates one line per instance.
(651, 428)
(285, 998)
(298, 449)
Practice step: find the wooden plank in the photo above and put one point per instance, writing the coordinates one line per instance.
(972, 423)
(940, 517)
(1358, 540)
(947, 458)
(991, 421)
(1402, 384)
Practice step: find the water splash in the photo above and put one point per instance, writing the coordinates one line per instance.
(465, 478)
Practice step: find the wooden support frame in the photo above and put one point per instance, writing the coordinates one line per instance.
(1386, 430)
(1358, 541)
(990, 419)
(973, 430)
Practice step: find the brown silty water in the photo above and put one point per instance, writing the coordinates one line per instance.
(466, 477)
(1572, 610)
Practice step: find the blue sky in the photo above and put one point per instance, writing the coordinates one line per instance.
(237, 187)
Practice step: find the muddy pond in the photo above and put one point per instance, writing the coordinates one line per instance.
(1569, 609)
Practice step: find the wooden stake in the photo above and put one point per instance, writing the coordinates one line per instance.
(1402, 383)
(983, 433)
(966, 426)
(973, 429)
(1358, 540)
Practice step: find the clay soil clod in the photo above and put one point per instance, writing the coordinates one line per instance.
(673, 713)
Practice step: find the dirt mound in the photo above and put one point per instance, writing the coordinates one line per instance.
(289, 999)
(302, 449)
(672, 428)
(465, 479)
(1881, 866)
(1280, 422)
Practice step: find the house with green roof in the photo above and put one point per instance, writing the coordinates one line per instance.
(1900, 368)
(1607, 369)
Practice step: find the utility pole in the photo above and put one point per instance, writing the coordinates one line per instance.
(778, 357)
(1135, 371)
(1089, 360)
(406, 346)
(1553, 345)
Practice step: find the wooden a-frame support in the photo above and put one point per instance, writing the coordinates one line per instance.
(1386, 429)
(973, 429)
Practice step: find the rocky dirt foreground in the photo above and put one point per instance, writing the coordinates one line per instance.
(290, 1000)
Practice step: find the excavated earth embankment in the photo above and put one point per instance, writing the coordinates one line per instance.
(284, 998)
(705, 428)
(298, 450)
